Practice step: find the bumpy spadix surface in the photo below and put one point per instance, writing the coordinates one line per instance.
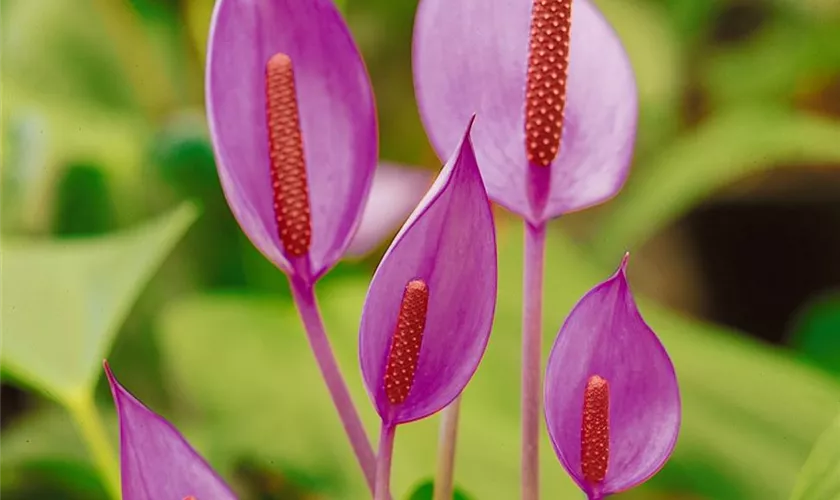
(285, 149)
(479, 56)
(606, 336)
(156, 462)
(337, 121)
(449, 244)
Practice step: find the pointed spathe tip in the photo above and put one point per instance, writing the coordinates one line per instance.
(471, 122)
(108, 372)
(624, 260)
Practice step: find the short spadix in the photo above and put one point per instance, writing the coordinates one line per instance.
(612, 404)
(429, 310)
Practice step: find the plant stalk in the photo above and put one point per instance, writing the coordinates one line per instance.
(532, 357)
(307, 306)
(86, 417)
(383, 461)
(445, 475)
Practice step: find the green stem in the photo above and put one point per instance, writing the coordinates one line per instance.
(86, 417)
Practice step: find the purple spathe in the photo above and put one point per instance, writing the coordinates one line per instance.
(337, 119)
(471, 56)
(156, 462)
(448, 242)
(605, 335)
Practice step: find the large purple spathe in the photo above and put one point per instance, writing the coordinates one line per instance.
(156, 462)
(337, 119)
(605, 335)
(471, 56)
(449, 243)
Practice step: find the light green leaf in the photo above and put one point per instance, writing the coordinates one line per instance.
(750, 411)
(728, 147)
(64, 300)
(820, 476)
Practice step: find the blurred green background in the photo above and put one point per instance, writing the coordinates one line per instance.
(117, 242)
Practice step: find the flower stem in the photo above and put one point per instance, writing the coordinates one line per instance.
(531, 357)
(444, 477)
(84, 414)
(383, 461)
(307, 306)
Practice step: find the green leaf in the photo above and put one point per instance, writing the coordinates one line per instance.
(64, 300)
(728, 147)
(426, 489)
(788, 56)
(750, 411)
(820, 476)
(46, 444)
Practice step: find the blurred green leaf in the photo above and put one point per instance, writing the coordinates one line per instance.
(51, 134)
(55, 49)
(425, 491)
(776, 64)
(816, 333)
(45, 433)
(750, 411)
(820, 476)
(727, 147)
(46, 445)
(64, 300)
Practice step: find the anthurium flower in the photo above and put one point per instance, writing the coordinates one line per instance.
(429, 310)
(396, 190)
(156, 462)
(611, 398)
(553, 87)
(292, 117)
(557, 99)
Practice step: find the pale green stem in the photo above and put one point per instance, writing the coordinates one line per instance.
(445, 475)
(86, 417)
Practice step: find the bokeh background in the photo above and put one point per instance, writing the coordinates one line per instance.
(117, 242)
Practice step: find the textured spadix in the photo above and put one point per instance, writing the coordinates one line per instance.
(446, 251)
(156, 462)
(481, 56)
(605, 341)
(337, 123)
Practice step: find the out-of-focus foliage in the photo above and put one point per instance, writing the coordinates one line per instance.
(820, 477)
(725, 148)
(816, 333)
(103, 130)
(736, 427)
(426, 490)
(64, 300)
